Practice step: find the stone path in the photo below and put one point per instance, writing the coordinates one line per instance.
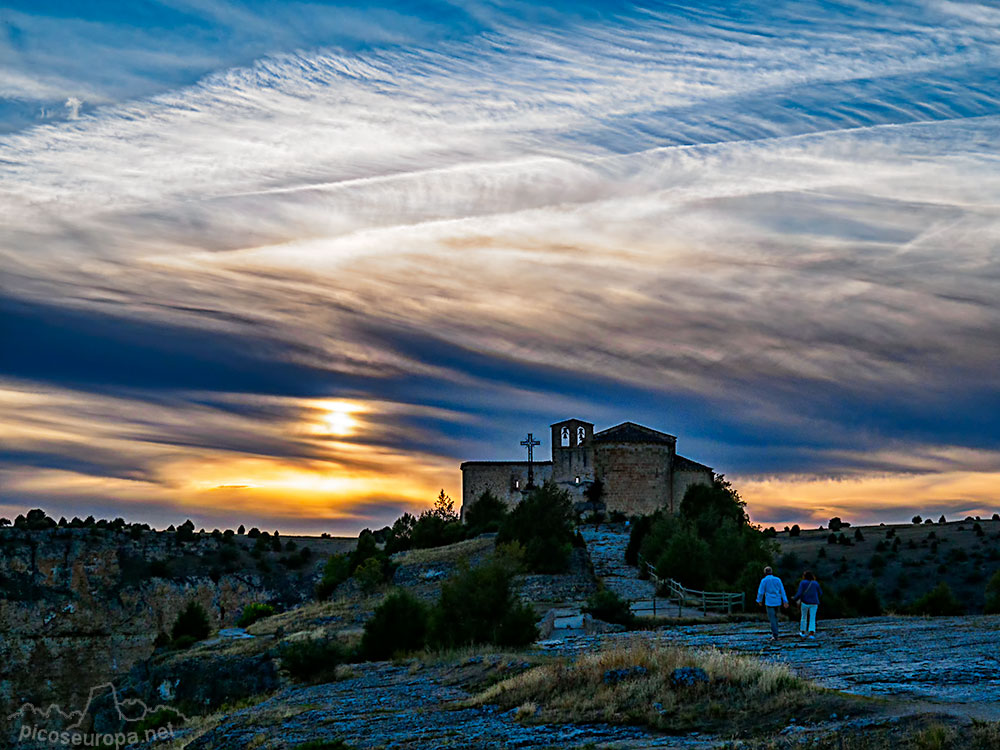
(606, 546)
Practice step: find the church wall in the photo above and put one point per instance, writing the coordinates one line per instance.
(684, 479)
(636, 476)
(500, 478)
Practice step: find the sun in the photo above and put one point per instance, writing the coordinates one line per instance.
(338, 418)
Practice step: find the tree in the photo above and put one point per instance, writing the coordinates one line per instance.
(835, 524)
(942, 519)
(858, 536)
(795, 530)
(444, 508)
(485, 514)
(191, 624)
(241, 530)
(710, 543)
(399, 538)
(918, 519)
(477, 605)
(595, 492)
(542, 524)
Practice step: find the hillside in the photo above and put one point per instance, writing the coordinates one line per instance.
(903, 561)
(80, 606)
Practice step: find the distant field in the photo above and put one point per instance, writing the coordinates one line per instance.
(926, 554)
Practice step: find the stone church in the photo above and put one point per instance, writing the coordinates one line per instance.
(638, 466)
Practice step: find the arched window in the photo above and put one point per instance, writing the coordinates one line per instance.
(581, 434)
(564, 437)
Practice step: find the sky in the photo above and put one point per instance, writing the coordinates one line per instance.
(288, 264)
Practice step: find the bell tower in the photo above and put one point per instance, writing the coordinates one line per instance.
(572, 453)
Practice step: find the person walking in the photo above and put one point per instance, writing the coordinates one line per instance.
(771, 595)
(807, 596)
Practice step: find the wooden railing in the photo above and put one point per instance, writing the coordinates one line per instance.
(703, 600)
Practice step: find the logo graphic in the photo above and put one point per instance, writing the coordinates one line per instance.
(54, 726)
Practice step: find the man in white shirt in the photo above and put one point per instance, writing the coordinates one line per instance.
(771, 594)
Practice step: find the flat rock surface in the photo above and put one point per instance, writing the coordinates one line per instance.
(388, 706)
(949, 661)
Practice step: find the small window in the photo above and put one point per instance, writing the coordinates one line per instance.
(578, 480)
(517, 484)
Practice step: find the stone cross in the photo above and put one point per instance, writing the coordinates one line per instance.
(530, 444)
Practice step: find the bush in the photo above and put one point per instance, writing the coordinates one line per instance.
(191, 623)
(542, 524)
(477, 605)
(312, 659)
(917, 519)
(939, 602)
(993, 595)
(485, 514)
(795, 530)
(858, 536)
(851, 601)
(606, 605)
(399, 625)
(335, 572)
(254, 612)
(369, 575)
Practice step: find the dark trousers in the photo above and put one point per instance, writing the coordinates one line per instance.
(772, 616)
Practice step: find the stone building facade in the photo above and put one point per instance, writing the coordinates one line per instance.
(638, 467)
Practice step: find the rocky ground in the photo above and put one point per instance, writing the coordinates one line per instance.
(914, 666)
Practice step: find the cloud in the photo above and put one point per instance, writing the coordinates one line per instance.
(767, 230)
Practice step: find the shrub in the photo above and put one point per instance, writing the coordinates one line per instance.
(795, 530)
(993, 595)
(542, 524)
(335, 572)
(938, 602)
(917, 519)
(192, 623)
(369, 575)
(253, 612)
(858, 536)
(312, 659)
(606, 605)
(485, 514)
(477, 605)
(851, 601)
(399, 625)
(636, 536)
(831, 539)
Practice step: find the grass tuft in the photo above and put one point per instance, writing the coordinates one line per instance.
(743, 696)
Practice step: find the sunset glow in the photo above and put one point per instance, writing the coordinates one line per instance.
(295, 279)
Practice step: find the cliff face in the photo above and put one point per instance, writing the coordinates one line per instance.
(80, 607)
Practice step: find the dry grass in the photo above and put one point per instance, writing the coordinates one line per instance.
(744, 696)
(451, 553)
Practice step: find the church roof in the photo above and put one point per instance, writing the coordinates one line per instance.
(686, 464)
(630, 432)
(503, 463)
